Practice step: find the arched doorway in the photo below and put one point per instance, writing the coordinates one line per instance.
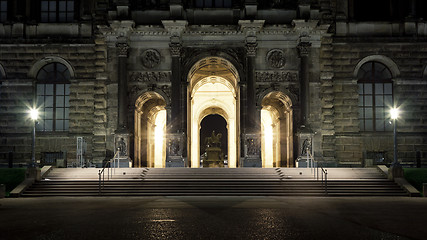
(213, 123)
(150, 129)
(213, 90)
(277, 130)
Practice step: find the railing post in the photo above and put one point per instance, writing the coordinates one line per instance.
(326, 182)
(99, 183)
(308, 160)
(118, 160)
(317, 170)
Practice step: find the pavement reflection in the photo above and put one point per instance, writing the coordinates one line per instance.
(213, 218)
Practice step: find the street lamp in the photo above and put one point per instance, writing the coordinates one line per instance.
(395, 170)
(394, 114)
(34, 115)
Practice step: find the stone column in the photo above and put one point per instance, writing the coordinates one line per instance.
(177, 147)
(303, 50)
(305, 134)
(122, 52)
(252, 115)
(175, 48)
(121, 138)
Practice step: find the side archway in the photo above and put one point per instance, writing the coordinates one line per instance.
(277, 130)
(149, 131)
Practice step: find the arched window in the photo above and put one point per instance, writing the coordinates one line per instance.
(53, 95)
(375, 96)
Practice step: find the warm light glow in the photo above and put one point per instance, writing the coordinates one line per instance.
(267, 138)
(159, 143)
(34, 114)
(213, 95)
(394, 113)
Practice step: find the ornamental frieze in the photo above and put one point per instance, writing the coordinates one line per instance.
(149, 76)
(276, 76)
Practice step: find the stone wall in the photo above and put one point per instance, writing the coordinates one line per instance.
(87, 100)
(409, 93)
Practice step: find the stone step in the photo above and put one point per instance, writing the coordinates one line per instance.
(214, 182)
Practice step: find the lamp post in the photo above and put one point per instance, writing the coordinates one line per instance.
(394, 114)
(34, 114)
(395, 170)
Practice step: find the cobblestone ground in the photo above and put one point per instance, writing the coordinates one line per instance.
(213, 218)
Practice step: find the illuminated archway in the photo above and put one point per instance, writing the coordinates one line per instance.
(213, 90)
(149, 131)
(277, 130)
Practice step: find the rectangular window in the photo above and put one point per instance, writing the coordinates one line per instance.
(57, 10)
(213, 3)
(3, 11)
(53, 100)
(375, 100)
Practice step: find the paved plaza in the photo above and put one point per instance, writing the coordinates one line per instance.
(213, 218)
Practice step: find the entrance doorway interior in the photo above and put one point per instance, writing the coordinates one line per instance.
(213, 89)
(277, 130)
(210, 123)
(149, 131)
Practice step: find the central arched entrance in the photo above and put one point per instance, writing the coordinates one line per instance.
(213, 90)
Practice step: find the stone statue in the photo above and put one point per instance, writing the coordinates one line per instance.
(213, 156)
(214, 140)
(306, 145)
(122, 147)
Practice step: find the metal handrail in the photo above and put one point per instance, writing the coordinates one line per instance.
(316, 172)
(102, 172)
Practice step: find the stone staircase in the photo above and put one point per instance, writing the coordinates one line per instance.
(215, 182)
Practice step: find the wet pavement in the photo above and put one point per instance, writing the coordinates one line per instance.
(213, 218)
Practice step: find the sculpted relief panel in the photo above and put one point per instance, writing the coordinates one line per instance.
(150, 76)
(150, 58)
(276, 58)
(276, 76)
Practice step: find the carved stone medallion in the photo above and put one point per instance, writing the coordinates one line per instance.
(150, 58)
(276, 58)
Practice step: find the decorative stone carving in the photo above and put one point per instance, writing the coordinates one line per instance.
(251, 48)
(276, 58)
(122, 49)
(253, 146)
(175, 49)
(150, 58)
(150, 76)
(279, 76)
(304, 48)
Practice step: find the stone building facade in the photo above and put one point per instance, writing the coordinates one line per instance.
(289, 78)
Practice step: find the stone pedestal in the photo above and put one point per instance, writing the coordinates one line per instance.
(122, 162)
(213, 157)
(252, 151)
(395, 171)
(175, 150)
